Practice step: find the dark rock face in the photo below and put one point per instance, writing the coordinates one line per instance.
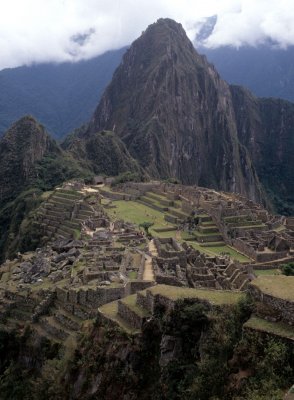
(23, 145)
(175, 114)
(266, 128)
(103, 153)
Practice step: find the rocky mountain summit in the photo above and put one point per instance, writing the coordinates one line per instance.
(175, 114)
(179, 119)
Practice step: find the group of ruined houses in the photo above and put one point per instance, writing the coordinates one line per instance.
(103, 256)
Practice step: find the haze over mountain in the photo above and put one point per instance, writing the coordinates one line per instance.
(64, 96)
(266, 69)
(61, 96)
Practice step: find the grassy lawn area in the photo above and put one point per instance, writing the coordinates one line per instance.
(280, 286)
(277, 328)
(137, 213)
(217, 297)
(130, 301)
(133, 275)
(218, 250)
(261, 272)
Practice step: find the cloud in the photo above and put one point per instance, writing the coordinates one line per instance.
(254, 22)
(34, 31)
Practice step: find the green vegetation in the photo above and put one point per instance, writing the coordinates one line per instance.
(146, 225)
(221, 250)
(278, 286)
(127, 177)
(133, 275)
(137, 213)
(17, 233)
(288, 269)
(260, 272)
(217, 297)
(276, 328)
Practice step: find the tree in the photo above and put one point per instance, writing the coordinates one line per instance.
(146, 225)
(288, 269)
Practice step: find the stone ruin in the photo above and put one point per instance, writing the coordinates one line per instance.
(181, 265)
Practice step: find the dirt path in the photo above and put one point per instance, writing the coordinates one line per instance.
(148, 274)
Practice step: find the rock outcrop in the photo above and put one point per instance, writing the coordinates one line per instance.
(265, 128)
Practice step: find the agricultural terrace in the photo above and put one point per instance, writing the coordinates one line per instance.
(216, 297)
(275, 328)
(141, 211)
(279, 286)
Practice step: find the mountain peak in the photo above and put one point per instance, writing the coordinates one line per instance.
(175, 114)
(21, 148)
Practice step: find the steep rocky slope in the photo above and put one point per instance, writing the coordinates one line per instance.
(30, 157)
(175, 114)
(103, 152)
(24, 145)
(30, 163)
(266, 128)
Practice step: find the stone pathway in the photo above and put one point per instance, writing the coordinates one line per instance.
(148, 274)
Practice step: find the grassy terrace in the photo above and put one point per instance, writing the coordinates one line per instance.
(219, 250)
(216, 297)
(137, 213)
(109, 310)
(276, 328)
(130, 301)
(262, 272)
(276, 285)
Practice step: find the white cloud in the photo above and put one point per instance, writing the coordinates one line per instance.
(44, 30)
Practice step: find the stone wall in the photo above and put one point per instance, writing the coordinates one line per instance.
(128, 315)
(91, 297)
(136, 286)
(44, 306)
(167, 280)
(284, 307)
(177, 253)
(142, 300)
(151, 301)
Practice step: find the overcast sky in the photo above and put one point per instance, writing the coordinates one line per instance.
(33, 31)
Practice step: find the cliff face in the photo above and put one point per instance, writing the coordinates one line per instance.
(175, 114)
(103, 153)
(266, 128)
(23, 145)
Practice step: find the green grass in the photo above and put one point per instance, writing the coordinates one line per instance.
(280, 286)
(218, 250)
(138, 213)
(277, 328)
(216, 297)
(133, 275)
(156, 195)
(109, 310)
(260, 272)
(130, 301)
